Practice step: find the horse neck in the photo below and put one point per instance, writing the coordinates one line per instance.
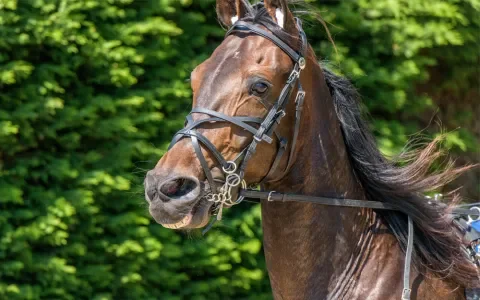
(309, 247)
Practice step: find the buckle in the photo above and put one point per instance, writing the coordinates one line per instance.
(293, 76)
(406, 294)
(269, 199)
(300, 96)
(279, 116)
(302, 63)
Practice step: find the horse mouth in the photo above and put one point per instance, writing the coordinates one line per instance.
(199, 214)
(197, 217)
(182, 223)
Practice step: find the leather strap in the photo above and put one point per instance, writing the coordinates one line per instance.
(235, 120)
(244, 26)
(282, 197)
(256, 196)
(298, 118)
(203, 162)
(408, 261)
(276, 162)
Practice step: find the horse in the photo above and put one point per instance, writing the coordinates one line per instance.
(265, 112)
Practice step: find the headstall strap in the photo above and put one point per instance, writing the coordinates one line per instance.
(234, 170)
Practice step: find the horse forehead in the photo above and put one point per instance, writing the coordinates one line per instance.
(244, 51)
(229, 61)
(234, 61)
(234, 52)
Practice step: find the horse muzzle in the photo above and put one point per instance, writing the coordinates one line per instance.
(176, 202)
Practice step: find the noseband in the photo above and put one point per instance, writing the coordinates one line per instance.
(234, 170)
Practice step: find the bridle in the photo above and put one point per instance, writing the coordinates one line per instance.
(234, 170)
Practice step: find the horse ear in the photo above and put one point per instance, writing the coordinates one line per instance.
(279, 11)
(229, 11)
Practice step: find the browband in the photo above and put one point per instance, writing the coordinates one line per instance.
(248, 27)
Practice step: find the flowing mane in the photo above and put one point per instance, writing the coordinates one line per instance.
(437, 244)
(438, 247)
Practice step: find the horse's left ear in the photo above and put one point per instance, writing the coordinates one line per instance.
(229, 11)
(279, 11)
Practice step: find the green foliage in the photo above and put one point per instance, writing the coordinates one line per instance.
(87, 89)
(390, 48)
(91, 93)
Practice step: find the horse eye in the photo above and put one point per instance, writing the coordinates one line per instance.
(259, 88)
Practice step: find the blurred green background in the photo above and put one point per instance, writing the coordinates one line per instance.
(91, 92)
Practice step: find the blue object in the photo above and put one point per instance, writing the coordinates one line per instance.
(476, 225)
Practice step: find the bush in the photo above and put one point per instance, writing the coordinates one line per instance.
(416, 66)
(91, 93)
(90, 89)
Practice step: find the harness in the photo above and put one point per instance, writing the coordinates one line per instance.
(263, 131)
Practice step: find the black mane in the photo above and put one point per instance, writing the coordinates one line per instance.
(438, 246)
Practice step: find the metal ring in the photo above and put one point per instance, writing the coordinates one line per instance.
(240, 199)
(470, 220)
(231, 167)
(233, 180)
(302, 63)
(269, 199)
(210, 197)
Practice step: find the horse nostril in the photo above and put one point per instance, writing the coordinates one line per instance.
(150, 186)
(152, 194)
(178, 187)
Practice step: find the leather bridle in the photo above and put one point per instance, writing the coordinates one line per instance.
(234, 170)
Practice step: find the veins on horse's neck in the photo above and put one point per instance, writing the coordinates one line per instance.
(313, 251)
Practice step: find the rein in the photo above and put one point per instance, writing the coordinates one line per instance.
(263, 131)
(256, 196)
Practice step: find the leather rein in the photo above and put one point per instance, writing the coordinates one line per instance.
(263, 131)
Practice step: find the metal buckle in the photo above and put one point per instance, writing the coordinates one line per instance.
(269, 199)
(300, 96)
(293, 76)
(406, 294)
(302, 63)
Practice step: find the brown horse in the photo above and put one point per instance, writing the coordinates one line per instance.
(312, 251)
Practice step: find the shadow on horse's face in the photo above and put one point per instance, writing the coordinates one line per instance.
(243, 77)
